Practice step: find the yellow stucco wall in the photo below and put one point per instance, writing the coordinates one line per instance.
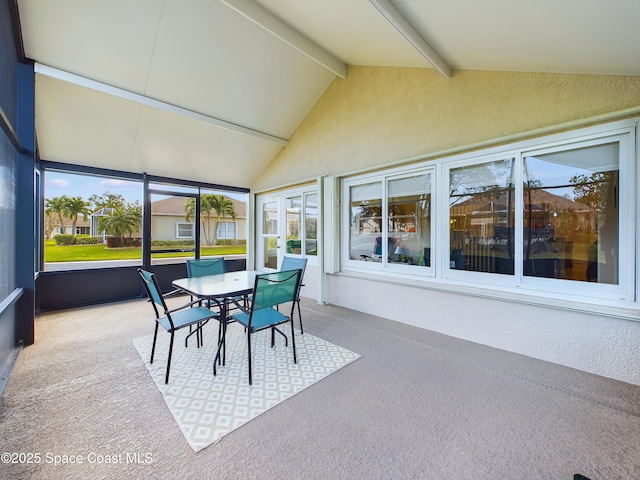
(379, 115)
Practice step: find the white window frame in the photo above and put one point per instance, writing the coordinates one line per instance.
(384, 178)
(226, 223)
(303, 193)
(505, 285)
(182, 224)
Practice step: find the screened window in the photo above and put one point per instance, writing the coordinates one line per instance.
(89, 220)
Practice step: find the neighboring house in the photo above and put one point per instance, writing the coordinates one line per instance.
(95, 223)
(168, 221)
(52, 225)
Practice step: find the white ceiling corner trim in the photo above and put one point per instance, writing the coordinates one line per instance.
(393, 16)
(151, 102)
(285, 32)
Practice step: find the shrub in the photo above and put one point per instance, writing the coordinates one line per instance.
(171, 243)
(119, 242)
(88, 240)
(63, 239)
(230, 241)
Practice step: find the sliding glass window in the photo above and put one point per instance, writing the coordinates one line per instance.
(302, 224)
(554, 216)
(571, 226)
(390, 222)
(481, 216)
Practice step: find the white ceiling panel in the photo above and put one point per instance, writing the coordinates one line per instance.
(205, 57)
(166, 143)
(571, 36)
(71, 122)
(352, 29)
(111, 41)
(283, 83)
(238, 160)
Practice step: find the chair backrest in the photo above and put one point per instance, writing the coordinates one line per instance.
(209, 266)
(293, 263)
(272, 289)
(153, 290)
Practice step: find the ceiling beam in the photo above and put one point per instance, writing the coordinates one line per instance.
(285, 32)
(151, 102)
(395, 17)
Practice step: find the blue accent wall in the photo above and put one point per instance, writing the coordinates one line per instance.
(8, 186)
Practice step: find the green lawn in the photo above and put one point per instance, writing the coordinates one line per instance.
(87, 253)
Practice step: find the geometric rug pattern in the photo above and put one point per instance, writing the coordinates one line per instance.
(206, 407)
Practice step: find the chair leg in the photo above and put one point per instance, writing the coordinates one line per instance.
(249, 351)
(293, 342)
(153, 348)
(166, 378)
(300, 315)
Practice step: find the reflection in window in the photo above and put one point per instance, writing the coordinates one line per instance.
(365, 233)
(409, 220)
(294, 220)
(311, 224)
(571, 214)
(481, 215)
(270, 234)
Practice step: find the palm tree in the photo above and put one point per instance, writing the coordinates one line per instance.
(123, 221)
(76, 206)
(223, 207)
(56, 205)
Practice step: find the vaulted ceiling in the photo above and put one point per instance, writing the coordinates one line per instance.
(210, 90)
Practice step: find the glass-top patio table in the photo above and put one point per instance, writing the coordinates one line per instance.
(222, 288)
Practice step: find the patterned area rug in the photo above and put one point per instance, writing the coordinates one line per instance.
(206, 407)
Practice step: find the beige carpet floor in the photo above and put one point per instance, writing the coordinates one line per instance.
(416, 405)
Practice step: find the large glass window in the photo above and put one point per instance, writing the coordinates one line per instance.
(365, 222)
(294, 221)
(390, 222)
(571, 214)
(223, 223)
(311, 224)
(553, 217)
(409, 220)
(91, 221)
(481, 216)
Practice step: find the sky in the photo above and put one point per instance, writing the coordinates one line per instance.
(73, 185)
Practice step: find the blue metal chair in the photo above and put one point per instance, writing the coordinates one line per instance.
(270, 290)
(172, 319)
(202, 267)
(293, 263)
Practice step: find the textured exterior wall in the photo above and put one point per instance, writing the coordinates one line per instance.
(606, 346)
(377, 116)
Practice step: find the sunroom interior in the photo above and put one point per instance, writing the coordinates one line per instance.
(467, 169)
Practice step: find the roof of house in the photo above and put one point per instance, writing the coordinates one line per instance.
(175, 206)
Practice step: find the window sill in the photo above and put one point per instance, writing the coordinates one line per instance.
(627, 311)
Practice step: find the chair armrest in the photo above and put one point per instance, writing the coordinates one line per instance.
(184, 306)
